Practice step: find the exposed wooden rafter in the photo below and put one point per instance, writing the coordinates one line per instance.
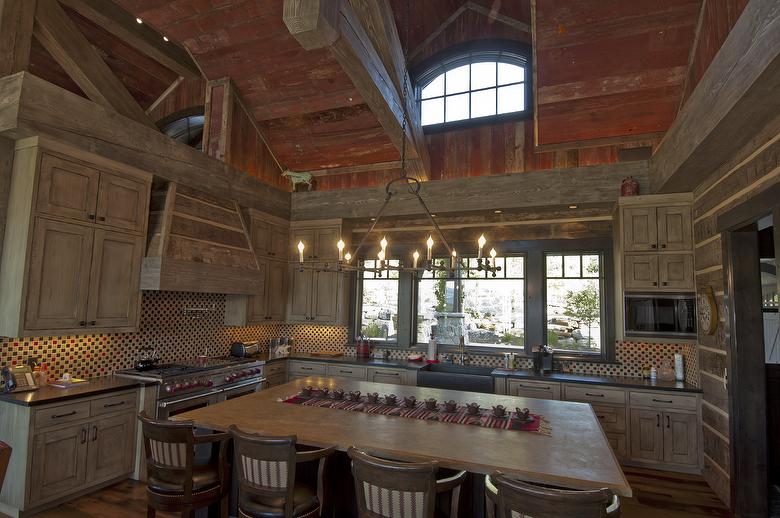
(353, 37)
(60, 36)
(16, 22)
(736, 94)
(165, 94)
(123, 25)
(394, 165)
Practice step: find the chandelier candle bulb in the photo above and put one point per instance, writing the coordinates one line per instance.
(340, 246)
(348, 257)
(454, 259)
(481, 242)
(430, 247)
(301, 247)
(415, 257)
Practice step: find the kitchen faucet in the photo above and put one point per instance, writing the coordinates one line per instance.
(464, 356)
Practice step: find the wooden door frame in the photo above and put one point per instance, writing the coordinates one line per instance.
(747, 392)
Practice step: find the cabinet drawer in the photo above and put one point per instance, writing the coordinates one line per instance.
(664, 400)
(53, 416)
(347, 371)
(591, 394)
(276, 379)
(612, 418)
(119, 403)
(534, 389)
(307, 368)
(617, 441)
(274, 368)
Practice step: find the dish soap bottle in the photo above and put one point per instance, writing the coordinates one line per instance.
(432, 349)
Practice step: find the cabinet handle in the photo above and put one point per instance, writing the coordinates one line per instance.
(667, 422)
(657, 420)
(602, 416)
(83, 435)
(662, 401)
(112, 405)
(664, 283)
(91, 216)
(94, 433)
(653, 246)
(306, 368)
(83, 323)
(655, 283)
(93, 322)
(533, 387)
(345, 372)
(59, 416)
(101, 218)
(663, 245)
(594, 395)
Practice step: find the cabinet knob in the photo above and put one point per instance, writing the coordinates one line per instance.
(102, 218)
(93, 322)
(655, 284)
(83, 323)
(657, 420)
(653, 246)
(91, 216)
(664, 283)
(663, 245)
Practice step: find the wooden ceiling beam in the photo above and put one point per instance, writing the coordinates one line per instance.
(141, 36)
(55, 30)
(394, 165)
(16, 24)
(353, 37)
(736, 96)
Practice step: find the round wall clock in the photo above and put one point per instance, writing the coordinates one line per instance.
(707, 309)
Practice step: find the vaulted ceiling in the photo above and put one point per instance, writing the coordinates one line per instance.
(606, 72)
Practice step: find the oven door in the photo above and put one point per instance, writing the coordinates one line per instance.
(170, 407)
(240, 389)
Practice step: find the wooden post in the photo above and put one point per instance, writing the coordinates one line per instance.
(6, 165)
(16, 27)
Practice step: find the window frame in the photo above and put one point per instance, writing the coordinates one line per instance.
(489, 50)
(357, 318)
(603, 299)
(481, 347)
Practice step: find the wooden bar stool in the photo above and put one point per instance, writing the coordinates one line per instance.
(5, 459)
(266, 468)
(390, 489)
(516, 499)
(175, 482)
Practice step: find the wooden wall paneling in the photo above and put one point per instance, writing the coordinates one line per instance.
(59, 35)
(215, 118)
(189, 95)
(16, 27)
(166, 93)
(36, 107)
(6, 169)
(734, 97)
(715, 419)
(122, 24)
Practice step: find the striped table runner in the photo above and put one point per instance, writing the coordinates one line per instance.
(485, 418)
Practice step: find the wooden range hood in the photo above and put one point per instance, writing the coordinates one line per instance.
(197, 243)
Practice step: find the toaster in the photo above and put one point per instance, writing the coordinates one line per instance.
(244, 349)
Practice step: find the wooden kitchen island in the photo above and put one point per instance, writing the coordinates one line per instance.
(576, 455)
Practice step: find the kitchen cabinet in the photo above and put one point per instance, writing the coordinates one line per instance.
(640, 229)
(654, 228)
(675, 271)
(647, 435)
(67, 448)
(298, 369)
(73, 247)
(641, 271)
(317, 296)
(346, 371)
(534, 389)
(395, 376)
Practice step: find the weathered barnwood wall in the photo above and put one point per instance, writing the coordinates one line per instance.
(188, 95)
(731, 185)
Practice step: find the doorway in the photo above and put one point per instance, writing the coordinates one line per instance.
(751, 240)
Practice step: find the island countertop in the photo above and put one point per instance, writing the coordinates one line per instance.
(575, 455)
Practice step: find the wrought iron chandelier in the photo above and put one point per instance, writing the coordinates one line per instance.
(453, 267)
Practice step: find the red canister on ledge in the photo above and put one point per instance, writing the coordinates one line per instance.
(362, 347)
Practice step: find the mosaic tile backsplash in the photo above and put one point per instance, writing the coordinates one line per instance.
(168, 323)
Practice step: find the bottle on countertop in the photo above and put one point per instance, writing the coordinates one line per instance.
(679, 367)
(432, 356)
(653, 373)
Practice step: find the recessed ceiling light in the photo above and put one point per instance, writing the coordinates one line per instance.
(433, 215)
(497, 211)
(572, 206)
(165, 38)
(373, 219)
(138, 20)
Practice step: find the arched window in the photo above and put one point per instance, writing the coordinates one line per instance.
(187, 129)
(474, 85)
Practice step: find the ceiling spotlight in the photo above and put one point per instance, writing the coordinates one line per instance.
(138, 20)
(572, 206)
(497, 211)
(433, 215)
(165, 38)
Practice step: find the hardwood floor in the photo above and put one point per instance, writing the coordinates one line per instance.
(656, 493)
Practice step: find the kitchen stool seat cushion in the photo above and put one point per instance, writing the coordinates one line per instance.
(305, 501)
(203, 478)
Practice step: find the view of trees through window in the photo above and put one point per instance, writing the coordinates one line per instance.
(574, 302)
(379, 303)
(485, 310)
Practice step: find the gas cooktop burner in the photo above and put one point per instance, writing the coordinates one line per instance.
(195, 366)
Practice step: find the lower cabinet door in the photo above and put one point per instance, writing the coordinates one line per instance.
(681, 444)
(647, 435)
(58, 463)
(110, 450)
(395, 376)
(617, 441)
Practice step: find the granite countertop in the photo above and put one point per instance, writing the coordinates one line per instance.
(352, 360)
(617, 381)
(51, 394)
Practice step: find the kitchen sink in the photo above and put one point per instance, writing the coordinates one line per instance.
(456, 377)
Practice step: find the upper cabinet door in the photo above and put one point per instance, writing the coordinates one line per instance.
(277, 290)
(674, 228)
(280, 242)
(325, 302)
(641, 271)
(58, 279)
(326, 244)
(261, 238)
(114, 292)
(675, 271)
(122, 202)
(300, 294)
(640, 229)
(305, 236)
(67, 189)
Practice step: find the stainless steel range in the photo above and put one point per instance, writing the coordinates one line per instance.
(198, 383)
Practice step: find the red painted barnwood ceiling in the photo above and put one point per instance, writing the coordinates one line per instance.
(610, 68)
(314, 116)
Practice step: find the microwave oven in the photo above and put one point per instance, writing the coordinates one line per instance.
(662, 315)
